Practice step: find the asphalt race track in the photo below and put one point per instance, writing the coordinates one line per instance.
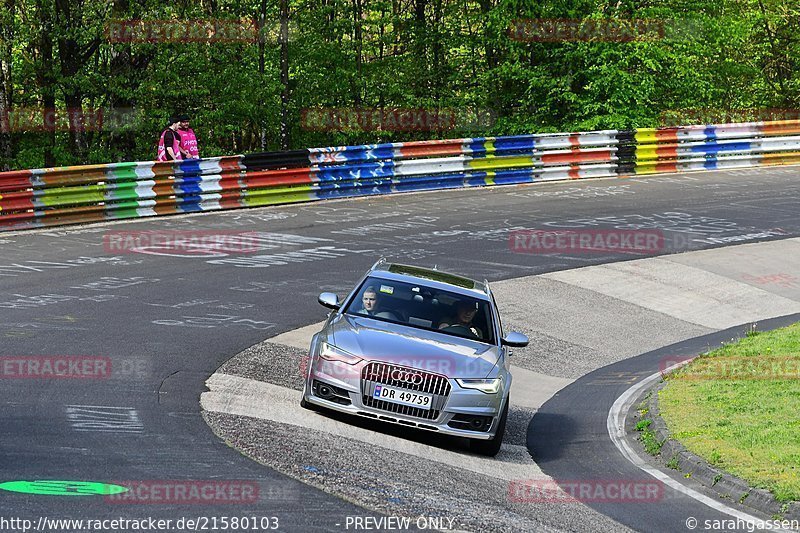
(167, 322)
(571, 435)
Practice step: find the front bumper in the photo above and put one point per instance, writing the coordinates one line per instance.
(459, 404)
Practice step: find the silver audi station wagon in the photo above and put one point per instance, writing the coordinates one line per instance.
(417, 347)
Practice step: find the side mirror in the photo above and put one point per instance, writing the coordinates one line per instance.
(515, 340)
(329, 300)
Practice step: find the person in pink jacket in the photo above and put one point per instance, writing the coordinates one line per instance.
(188, 139)
(169, 145)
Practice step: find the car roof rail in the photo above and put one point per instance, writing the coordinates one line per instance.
(380, 261)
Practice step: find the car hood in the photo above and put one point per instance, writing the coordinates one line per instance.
(375, 340)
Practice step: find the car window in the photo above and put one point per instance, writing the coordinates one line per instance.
(499, 318)
(423, 307)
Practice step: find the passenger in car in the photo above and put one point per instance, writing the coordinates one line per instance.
(461, 323)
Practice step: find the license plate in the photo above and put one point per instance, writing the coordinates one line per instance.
(403, 397)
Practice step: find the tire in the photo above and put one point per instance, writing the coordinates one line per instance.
(492, 446)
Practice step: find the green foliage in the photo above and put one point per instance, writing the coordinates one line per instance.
(648, 438)
(699, 60)
(739, 408)
(650, 442)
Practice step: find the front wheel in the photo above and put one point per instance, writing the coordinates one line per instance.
(492, 446)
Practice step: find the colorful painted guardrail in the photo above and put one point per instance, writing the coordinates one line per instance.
(66, 195)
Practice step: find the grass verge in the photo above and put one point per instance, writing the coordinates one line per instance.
(738, 407)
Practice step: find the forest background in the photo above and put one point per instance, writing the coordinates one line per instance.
(93, 81)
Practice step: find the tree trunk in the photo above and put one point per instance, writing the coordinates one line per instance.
(359, 46)
(76, 120)
(284, 42)
(492, 60)
(6, 84)
(121, 67)
(395, 20)
(262, 20)
(381, 53)
(439, 70)
(46, 79)
(489, 49)
(777, 61)
(421, 89)
(419, 13)
(72, 58)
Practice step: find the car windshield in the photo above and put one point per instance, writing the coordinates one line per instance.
(424, 307)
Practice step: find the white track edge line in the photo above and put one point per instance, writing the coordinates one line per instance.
(615, 423)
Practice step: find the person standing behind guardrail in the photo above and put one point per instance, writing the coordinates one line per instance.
(169, 145)
(189, 147)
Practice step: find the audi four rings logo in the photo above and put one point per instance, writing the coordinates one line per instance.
(405, 376)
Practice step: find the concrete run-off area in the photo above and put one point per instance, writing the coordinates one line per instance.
(578, 320)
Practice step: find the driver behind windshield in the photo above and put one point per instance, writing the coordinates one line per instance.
(370, 305)
(462, 321)
(369, 301)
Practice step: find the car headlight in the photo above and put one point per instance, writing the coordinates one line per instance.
(332, 353)
(489, 386)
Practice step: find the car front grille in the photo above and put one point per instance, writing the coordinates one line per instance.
(381, 374)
